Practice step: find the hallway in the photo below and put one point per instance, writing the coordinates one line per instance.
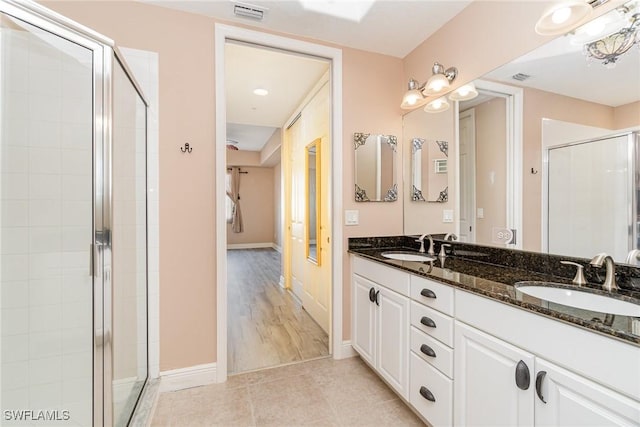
(267, 326)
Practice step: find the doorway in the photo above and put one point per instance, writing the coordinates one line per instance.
(225, 34)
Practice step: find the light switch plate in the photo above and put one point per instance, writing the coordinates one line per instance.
(447, 215)
(351, 217)
(480, 213)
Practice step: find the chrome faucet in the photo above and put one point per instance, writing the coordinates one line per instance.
(633, 257)
(450, 236)
(421, 240)
(443, 252)
(609, 284)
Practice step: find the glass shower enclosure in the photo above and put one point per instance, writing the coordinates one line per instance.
(73, 224)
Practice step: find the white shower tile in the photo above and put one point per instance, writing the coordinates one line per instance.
(17, 399)
(77, 260)
(77, 213)
(76, 390)
(76, 188)
(45, 81)
(15, 321)
(45, 396)
(45, 187)
(45, 134)
(77, 288)
(45, 291)
(14, 375)
(77, 365)
(16, 133)
(14, 240)
(14, 186)
(45, 161)
(45, 344)
(15, 213)
(45, 318)
(15, 159)
(45, 265)
(76, 239)
(76, 162)
(77, 136)
(17, 107)
(14, 267)
(75, 340)
(45, 239)
(45, 213)
(14, 294)
(15, 348)
(77, 110)
(44, 371)
(76, 315)
(45, 108)
(76, 84)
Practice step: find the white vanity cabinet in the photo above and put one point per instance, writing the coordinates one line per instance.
(380, 321)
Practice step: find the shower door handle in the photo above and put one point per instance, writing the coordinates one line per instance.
(95, 267)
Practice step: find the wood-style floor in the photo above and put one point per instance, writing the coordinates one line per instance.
(267, 326)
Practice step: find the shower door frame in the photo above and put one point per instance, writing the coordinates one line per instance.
(104, 56)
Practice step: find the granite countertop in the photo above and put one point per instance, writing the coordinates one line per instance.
(497, 282)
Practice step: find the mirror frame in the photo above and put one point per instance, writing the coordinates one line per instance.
(418, 195)
(391, 195)
(314, 144)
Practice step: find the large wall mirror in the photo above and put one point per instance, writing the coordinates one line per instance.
(552, 155)
(375, 167)
(312, 172)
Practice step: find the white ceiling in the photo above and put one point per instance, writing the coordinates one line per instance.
(391, 27)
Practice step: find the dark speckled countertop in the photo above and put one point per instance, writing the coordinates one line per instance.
(471, 271)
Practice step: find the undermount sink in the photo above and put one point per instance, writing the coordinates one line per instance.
(407, 256)
(585, 299)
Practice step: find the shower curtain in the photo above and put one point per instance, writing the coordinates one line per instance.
(234, 194)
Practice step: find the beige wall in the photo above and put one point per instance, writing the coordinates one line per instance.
(491, 171)
(258, 207)
(626, 116)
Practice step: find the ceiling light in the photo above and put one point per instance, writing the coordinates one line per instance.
(261, 92)
(464, 93)
(349, 10)
(600, 27)
(440, 80)
(437, 106)
(561, 17)
(232, 144)
(413, 96)
(610, 48)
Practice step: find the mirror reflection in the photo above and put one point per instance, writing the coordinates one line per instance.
(560, 167)
(375, 167)
(312, 172)
(429, 166)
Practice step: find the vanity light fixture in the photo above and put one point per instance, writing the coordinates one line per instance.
(561, 17)
(440, 80)
(437, 106)
(464, 93)
(413, 96)
(261, 92)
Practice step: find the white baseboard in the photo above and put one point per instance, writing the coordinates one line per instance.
(277, 248)
(346, 351)
(250, 245)
(281, 282)
(193, 376)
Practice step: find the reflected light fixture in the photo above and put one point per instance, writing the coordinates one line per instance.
(561, 17)
(261, 92)
(604, 25)
(464, 93)
(437, 106)
(609, 49)
(413, 96)
(440, 80)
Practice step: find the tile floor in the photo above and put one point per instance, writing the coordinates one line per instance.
(322, 392)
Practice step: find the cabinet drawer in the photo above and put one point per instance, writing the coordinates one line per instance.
(440, 296)
(442, 328)
(443, 359)
(433, 384)
(386, 276)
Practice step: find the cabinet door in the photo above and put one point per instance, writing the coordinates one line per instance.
(393, 339)
(486, 391)
(364, 312)
(572, 400)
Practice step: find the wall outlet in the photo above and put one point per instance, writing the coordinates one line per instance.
(447, 215)
(480, 213)
(351, 217)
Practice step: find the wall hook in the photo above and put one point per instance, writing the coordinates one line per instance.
(533, 171)
(186, 148)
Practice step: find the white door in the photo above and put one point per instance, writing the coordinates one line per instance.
(486, 391)
(364, 325)
(571, 400)
(393, 339)
(296, 208)
(467, 126)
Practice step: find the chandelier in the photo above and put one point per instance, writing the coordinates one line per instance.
(610, 48)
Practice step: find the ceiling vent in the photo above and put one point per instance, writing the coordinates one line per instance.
(520, 77)
(245, 10)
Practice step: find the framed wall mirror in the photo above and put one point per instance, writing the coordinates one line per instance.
(375, 167)
(312, 179)
(429, 170)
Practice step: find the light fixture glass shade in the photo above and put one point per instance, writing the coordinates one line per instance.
(436, 84)
(437, 106)
(562, 17)
(464, 93)
(605, 25)
(411, 99)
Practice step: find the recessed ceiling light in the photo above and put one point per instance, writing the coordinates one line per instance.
(261, 92)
